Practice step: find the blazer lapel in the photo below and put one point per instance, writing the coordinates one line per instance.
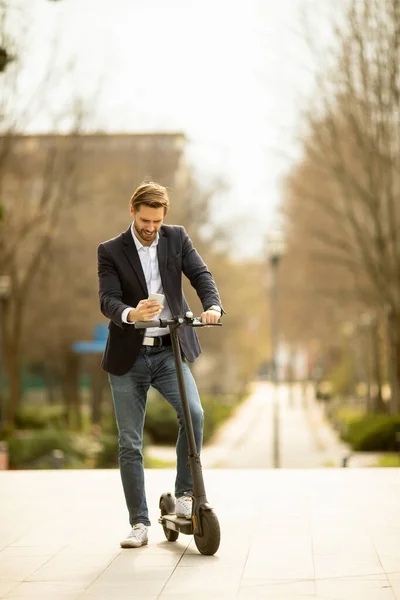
(133, 257)
(162, 252)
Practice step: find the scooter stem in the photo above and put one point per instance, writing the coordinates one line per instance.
(194, 457)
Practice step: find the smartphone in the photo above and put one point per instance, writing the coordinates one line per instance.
(158, 297)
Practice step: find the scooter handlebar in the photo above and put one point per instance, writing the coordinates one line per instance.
(194, 322)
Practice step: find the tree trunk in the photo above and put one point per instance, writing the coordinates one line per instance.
(51, 386)
(97, 393)
(393, 341)
(396, 371)
(71, 391)
(379, 405)
(367, 368)
(12, 361)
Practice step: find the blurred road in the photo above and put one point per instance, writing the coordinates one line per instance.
(246, 440)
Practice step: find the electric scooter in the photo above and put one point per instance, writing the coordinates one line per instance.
(204, 525)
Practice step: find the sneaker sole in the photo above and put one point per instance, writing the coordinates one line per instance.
(130, 545)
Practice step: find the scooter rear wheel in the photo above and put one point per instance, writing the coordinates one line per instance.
(208, 543)
(170, 534)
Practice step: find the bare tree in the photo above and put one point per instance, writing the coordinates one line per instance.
(352, 158)
(35, 183)
(34, 190)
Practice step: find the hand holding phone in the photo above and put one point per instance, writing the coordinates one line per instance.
(146, 311)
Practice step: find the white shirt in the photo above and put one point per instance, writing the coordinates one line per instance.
(149, 260)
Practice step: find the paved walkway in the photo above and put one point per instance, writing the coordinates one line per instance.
(295, 534)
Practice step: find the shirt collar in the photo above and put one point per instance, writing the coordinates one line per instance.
(139, 245)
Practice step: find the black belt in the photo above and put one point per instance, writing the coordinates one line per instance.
(157, 341)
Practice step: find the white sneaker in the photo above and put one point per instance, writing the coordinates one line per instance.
(183, 507)
(136, 538)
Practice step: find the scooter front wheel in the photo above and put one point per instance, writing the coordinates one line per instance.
(208, 543)
(170, 534)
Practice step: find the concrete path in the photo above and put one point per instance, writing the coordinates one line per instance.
(295, 534)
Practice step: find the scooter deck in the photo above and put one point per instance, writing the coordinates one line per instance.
(176, 523)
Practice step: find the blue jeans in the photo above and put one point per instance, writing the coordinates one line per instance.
(156, 367)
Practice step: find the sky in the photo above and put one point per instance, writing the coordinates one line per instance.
(233, 75)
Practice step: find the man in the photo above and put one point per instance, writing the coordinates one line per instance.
(150, 257)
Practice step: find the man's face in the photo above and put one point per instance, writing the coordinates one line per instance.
(146, 222)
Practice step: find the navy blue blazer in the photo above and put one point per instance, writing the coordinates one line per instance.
(122, 284)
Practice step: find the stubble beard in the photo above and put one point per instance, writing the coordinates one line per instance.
(143, 236)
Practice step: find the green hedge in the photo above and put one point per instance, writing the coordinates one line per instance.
(40, 416)
(107, 457)
(161, 424)
(342, 415)
(216, 410)
(42, 429)
(27, 448)
(373, 433)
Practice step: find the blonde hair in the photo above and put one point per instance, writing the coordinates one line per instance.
(151, 194)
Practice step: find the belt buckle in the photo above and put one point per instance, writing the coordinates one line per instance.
(148, 341)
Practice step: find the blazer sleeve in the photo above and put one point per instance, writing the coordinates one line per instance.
(110, 290)
(198, 274)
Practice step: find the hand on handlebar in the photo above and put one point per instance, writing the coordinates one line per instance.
(210, 316)
(146, 310)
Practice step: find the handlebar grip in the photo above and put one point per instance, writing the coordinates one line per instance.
(147, 324)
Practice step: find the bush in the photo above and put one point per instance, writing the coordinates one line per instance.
(216, 410)
(108, 424)
(107, 457)
(26, 448)
(373, 433)
(40, 416)
(162, 425)
(342, 415)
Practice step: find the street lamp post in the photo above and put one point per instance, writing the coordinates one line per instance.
(275, 250)
(5, 287)
(373, 361)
